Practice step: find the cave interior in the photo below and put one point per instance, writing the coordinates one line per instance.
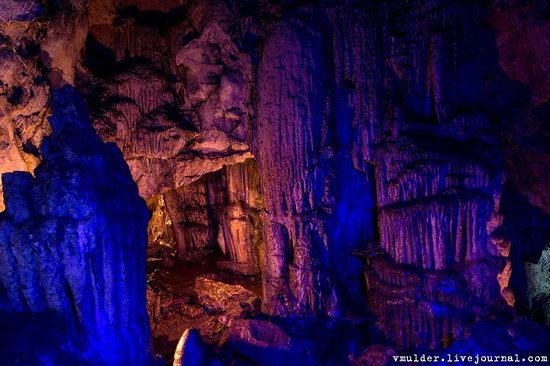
(274, 182)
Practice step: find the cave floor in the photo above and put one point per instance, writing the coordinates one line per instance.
(173, 303)
(173, 306)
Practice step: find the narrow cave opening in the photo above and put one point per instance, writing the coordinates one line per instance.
(204, 236)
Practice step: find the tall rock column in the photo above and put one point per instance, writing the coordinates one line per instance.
(303, 143)
(289, 137)
(238, 212)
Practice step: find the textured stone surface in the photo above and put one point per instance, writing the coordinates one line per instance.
(289, 134)
(219, 213)
(283, 137)
(429, 308)
(64, 247)
(20, 10)
(212, 95)
(376, 355)
(521, 33)
(239, 219)
(24, 102)
(171, 131)
(520, 337)
(173, 305)
(260, 340)
(318, 207)
(232, 300)
(178, 133)
(140, 113)
(62, 46)
(440, 175)
(189, 212)
(538, 288)
(390, 117)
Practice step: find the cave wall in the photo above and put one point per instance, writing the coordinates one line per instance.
(440, 174)
(24, 103)
(434, 101)
(73, 232)
(401, 148)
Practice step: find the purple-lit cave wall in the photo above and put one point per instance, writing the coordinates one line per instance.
(319, 207)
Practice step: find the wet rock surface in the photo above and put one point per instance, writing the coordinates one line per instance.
(224, 311)
(174, 303)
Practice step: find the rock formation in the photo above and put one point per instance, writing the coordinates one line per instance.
(318, 213)
(260, 340)
(179, 117)
(384, 159)
(190, 350)
(69, 248)
(24, 101)
(220, 212)
(232, 300)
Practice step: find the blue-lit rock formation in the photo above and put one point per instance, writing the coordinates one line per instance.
(72, 247)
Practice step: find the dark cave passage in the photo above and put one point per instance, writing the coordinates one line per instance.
(216, 216)
(210, 229)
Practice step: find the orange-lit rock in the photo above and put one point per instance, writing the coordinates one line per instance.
(231, 300)
(24, 108)
(219, 213)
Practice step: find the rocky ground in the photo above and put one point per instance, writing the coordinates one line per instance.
(175, 302)
(224, 312)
